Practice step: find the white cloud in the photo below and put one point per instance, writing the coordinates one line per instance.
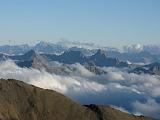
(118, 88)
(150, 107)
(133, 48)
(114, 76)
(81, 71)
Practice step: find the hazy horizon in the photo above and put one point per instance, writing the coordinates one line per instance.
(105, 22)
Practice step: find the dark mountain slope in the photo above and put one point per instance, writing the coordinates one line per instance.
(140, 57)
(99, 59)
(68, 57)
(20, 101)
(152, 68)
(25, 57)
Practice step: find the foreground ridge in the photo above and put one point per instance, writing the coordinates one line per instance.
(20, 101)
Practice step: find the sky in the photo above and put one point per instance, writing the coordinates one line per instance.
(104, 22)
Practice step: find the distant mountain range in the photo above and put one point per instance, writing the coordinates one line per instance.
(93, 63)
(17, 49)
(69, 57)
(20, 101)
(43, 54)
(43, 47)
(58, 48)
(98, 59)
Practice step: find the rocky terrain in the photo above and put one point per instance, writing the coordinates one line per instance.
(20, 101)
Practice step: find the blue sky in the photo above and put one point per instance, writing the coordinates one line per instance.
(104, 22)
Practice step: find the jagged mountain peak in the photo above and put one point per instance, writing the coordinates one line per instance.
(101, 52)
(73, 52)
(30, 53)
(42, 43)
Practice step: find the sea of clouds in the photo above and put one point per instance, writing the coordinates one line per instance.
(138, 94)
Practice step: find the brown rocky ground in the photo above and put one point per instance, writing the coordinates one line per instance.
(20, 101)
